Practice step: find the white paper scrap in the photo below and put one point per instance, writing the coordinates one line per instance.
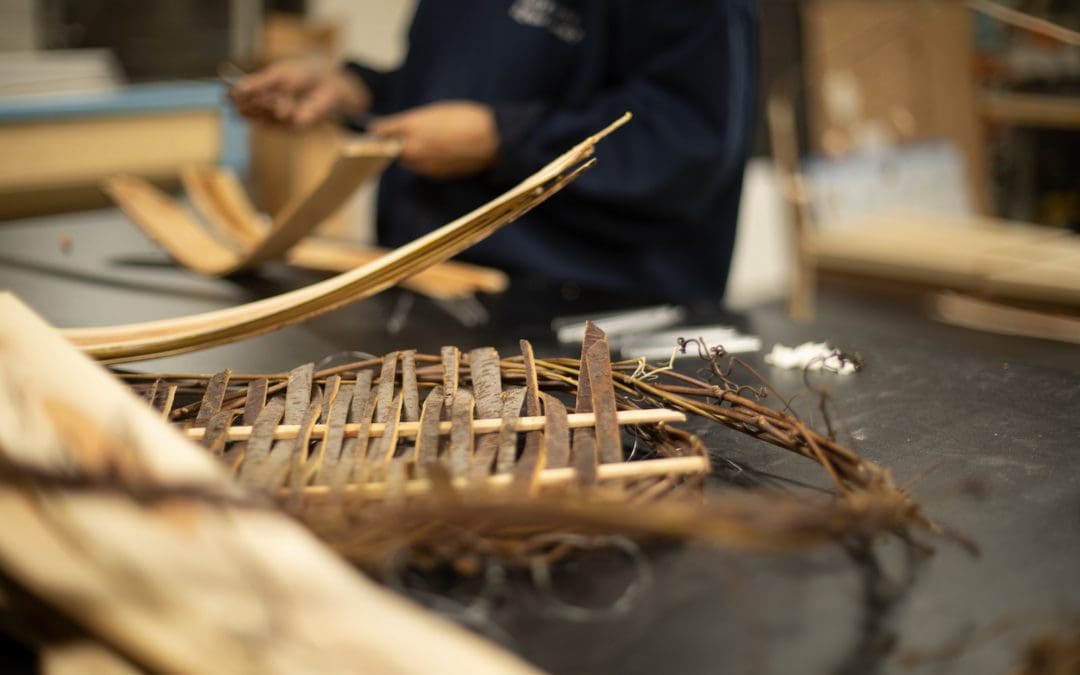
(812, 356)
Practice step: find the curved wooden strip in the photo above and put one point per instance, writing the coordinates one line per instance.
(153, 339)
(357, 162)
(217, 193)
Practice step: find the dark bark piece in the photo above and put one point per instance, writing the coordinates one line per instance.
(212, 398)
(556, 432)
(385, 392)
(427, 441)
(511, 411)
(410, 394)
(255, 400)
(608, 437)
(383, 451)
(461, 433)
(533, 457)
(484, 372)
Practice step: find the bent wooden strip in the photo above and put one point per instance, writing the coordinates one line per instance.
(153, 339)
(217, 193)
(357, 162)
(168, 562)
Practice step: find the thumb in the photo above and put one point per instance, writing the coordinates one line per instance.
(389, 125)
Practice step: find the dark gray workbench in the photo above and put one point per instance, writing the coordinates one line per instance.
(1001, 411)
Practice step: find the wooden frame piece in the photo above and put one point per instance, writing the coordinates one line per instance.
(195, 248)
(219, 196)
(153, 339)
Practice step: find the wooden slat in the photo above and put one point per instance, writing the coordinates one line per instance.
(384, 448)
(335, 434)
(534, 455)
(583, 441)
(354, 450)
(427, 439)
(513, 399)
(608, 438)
(260, 442)
(212, 397)
(385, 395)
(255, 399)
(484, 372)
(409, 393)
(556, 432)
(460, 449)
(217, 431)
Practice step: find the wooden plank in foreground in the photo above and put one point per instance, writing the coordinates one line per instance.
(146, 545)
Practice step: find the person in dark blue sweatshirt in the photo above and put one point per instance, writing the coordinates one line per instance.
(490, 91)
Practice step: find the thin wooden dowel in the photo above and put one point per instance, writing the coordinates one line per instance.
(480, 426)
(667, 466)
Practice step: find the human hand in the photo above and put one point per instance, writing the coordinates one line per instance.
(300, 94)
(443, 140)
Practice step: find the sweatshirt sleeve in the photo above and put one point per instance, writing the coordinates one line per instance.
(379, 82)
(688, 77)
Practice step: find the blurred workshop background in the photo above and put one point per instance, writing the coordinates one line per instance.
(921, 143)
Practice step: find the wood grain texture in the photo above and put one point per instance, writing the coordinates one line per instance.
(200, 580)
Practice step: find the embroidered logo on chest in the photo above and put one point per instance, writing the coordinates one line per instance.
(560, 21)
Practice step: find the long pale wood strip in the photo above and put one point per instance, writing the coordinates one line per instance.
(174, 336)
(480, 426)
(620, 471)
(167, 404)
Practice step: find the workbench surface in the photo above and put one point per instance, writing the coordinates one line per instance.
(977, 409)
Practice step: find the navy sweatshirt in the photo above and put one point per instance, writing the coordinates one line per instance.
(656, 215)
